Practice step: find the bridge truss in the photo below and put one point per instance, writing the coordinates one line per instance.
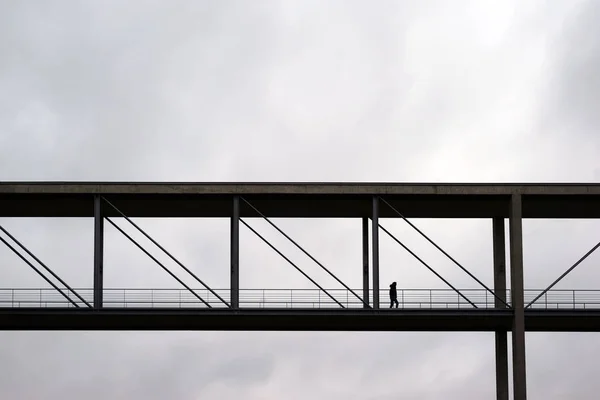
(498, 309)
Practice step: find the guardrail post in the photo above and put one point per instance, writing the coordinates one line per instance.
(319, 298)
(375, 239)
(499, 250)
(430, 299)
(98, 252)
(516, 274)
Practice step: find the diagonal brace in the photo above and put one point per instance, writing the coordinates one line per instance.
(305, 252)
(158, 262)
(291, 262)
(426, 265)
(564, 274)
(165, 251)
(445, 253)
(39, 272)
(42, 264)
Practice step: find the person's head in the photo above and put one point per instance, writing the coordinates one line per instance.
(393, 284)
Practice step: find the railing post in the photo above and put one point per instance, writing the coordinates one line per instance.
(98, 252)
(430, 300)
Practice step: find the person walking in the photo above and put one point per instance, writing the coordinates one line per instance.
(393, 295)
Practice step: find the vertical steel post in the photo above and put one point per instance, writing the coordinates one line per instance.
(98, 252)
(517, 292)
(235, 254)
(500, 291)
(365, 247)
(375, 237)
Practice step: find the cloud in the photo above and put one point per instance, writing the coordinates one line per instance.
(299, 91)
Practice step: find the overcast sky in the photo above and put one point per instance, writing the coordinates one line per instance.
(433, 91)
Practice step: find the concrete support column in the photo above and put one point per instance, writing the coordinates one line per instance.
(500, 290)
(365, 247)
(98, 252)
(516, 275)
(235, 254)
(375, 237)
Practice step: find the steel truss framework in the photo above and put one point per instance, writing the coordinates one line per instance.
(370, 202)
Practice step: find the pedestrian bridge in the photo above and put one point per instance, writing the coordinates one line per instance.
(319, 309)
(291, 298)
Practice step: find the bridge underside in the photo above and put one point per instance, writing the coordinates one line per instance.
(295, 320)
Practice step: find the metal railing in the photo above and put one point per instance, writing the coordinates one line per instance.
(293, 298)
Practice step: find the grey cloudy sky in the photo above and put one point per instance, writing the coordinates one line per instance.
(296, 91)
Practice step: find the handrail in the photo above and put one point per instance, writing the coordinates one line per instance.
(289, 297)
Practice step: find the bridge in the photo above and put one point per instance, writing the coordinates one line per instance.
(501, 308)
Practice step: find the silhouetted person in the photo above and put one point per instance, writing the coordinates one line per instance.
(393, 295)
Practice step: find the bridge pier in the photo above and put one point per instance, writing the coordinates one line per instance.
(375, 237)
(517, 293)
(365, 248)
(499, 247)
(98, 252)
(235, 254)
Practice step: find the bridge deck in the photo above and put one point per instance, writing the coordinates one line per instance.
(293, 310)
(295, 320)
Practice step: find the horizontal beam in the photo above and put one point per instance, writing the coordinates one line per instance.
(252, 320)
(182, 204)
(311, 188)
(295, 320)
